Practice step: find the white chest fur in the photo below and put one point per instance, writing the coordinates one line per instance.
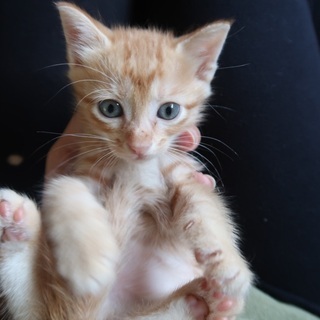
(148, 269)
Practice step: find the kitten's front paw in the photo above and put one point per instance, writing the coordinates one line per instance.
(19, 218)
(228, 280)
(82, 240)
(89, 263)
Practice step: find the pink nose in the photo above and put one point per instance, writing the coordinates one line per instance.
(139, 150)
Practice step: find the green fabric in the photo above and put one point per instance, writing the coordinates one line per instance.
(261, 306)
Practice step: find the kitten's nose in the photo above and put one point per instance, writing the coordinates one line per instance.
(139, 150)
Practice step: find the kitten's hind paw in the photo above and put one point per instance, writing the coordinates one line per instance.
(19, 218)
(228, 280)
(205, 303)
(197, 307)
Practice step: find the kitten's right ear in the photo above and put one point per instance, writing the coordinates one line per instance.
(83, 33)
(204, 46)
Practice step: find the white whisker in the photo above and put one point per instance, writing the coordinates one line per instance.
(73, 83)
(87, 95)
(77, 135)
(106, 152)
(224, 144)
(216, 111)
(107, 166)
(215, 156)
(236, 66)
(74, 157)
(207, 146)
(81, 66)
(216, 106)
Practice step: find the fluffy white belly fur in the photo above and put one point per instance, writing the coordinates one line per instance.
(151, 273)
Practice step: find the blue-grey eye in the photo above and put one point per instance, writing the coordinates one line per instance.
(110, 108)
(168, 111)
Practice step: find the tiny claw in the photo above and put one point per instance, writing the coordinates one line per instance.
(189, 225)
(204, 285)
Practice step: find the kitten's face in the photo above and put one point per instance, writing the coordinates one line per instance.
(140, 89)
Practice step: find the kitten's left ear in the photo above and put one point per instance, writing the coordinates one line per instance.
(204, 46)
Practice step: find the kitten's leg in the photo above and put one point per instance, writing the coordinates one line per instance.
(204, 222)
(187, 303)
(19, 230)
(194, 301)
(205, 302)
(83, 242)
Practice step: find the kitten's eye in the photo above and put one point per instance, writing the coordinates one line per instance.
(110, 108)
(168, 111)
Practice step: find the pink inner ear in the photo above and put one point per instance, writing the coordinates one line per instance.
(208, 60)
(204, 46)
(205, 70)
(72, 41)
(82, 33)
(73, 34)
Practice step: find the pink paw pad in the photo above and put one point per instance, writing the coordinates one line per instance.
(220, 306)
(12, 223)
(198, 307)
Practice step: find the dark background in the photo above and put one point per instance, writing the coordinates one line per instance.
(267, 109)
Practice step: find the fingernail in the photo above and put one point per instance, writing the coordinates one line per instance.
(212, 181)
(194, 132)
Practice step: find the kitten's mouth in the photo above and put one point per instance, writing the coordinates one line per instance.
(141, 157)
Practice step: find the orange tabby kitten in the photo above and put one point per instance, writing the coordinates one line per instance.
(129, 234)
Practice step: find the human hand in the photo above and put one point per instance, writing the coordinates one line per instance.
(189, 141)
(63, 150)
